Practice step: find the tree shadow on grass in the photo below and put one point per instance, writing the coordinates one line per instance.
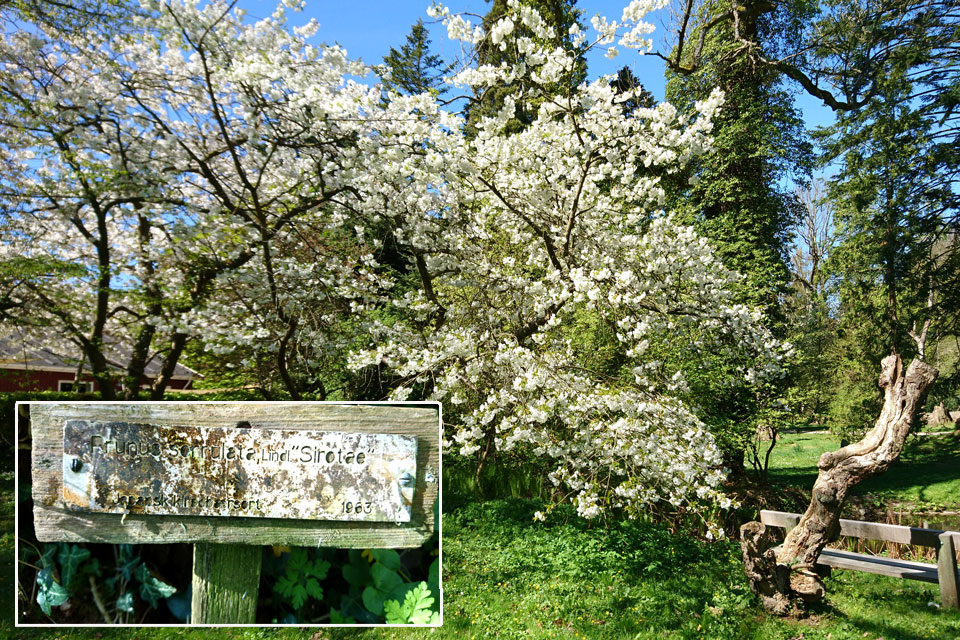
(924, 462)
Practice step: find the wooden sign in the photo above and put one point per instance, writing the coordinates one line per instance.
(119, 467)
(307, 474)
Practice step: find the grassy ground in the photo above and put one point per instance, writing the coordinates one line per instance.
(507, 576)
(927, 476)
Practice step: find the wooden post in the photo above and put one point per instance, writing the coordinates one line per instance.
(947, 572)
(226, 580)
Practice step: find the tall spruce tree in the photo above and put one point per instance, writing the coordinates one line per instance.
(897, 265)
(413, 69)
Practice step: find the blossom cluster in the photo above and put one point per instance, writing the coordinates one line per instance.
(522, 234)
(225, 181)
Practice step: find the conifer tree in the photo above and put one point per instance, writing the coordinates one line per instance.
(737, 195)
(413, 69)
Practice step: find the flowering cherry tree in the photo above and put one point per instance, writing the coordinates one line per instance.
(225, 180)
(514, 234)
(140, 170)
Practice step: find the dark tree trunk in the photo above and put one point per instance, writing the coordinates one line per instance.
(169, 366)
(783, 578)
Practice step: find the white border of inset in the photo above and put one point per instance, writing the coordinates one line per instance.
(438, 525)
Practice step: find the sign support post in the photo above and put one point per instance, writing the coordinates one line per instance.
(226, 579)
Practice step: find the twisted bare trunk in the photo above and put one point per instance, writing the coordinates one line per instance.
(783, 578)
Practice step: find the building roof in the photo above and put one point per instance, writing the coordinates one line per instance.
(22, 352)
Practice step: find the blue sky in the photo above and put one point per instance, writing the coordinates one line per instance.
(368, 28)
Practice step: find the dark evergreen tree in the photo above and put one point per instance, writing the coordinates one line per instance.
(738, 195)
(413, 69)
(627, 81)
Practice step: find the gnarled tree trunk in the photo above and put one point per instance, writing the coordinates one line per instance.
(781, 578)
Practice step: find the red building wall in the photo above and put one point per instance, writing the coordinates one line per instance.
(32, 380)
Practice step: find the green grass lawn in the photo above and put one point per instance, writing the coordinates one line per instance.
(507, 576)
(927, 476)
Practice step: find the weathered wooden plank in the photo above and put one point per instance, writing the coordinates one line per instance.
(878, 564)
(862, 529)
(947, 569)
(890, 533)
(779, 519)
(54, 522)
(226, 581)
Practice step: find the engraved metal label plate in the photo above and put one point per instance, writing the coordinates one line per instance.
(118, 467)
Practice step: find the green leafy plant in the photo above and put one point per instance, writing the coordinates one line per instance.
(302, 578)
(416, 608)
(152, 590)
(64, 566)
(390, 586)
(386, 581)
(352, 586)
(50, 593)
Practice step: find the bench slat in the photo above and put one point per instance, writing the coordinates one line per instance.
(870, 530)
(944, 572)
(878, 564)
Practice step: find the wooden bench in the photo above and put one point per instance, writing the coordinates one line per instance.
(943, 573)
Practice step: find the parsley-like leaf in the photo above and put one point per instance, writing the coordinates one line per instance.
(415, 608)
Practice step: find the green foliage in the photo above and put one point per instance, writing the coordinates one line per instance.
(125, 602)
(415, 608)
(559, 14)
(357, 570)
(351, 586)
(152, 590)
(736, 197)
(302, 578)
(855, 404)
(70, 556)
(67, 569)
(897, 265)
(413, 69)
(50, 593)
(385, 584)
